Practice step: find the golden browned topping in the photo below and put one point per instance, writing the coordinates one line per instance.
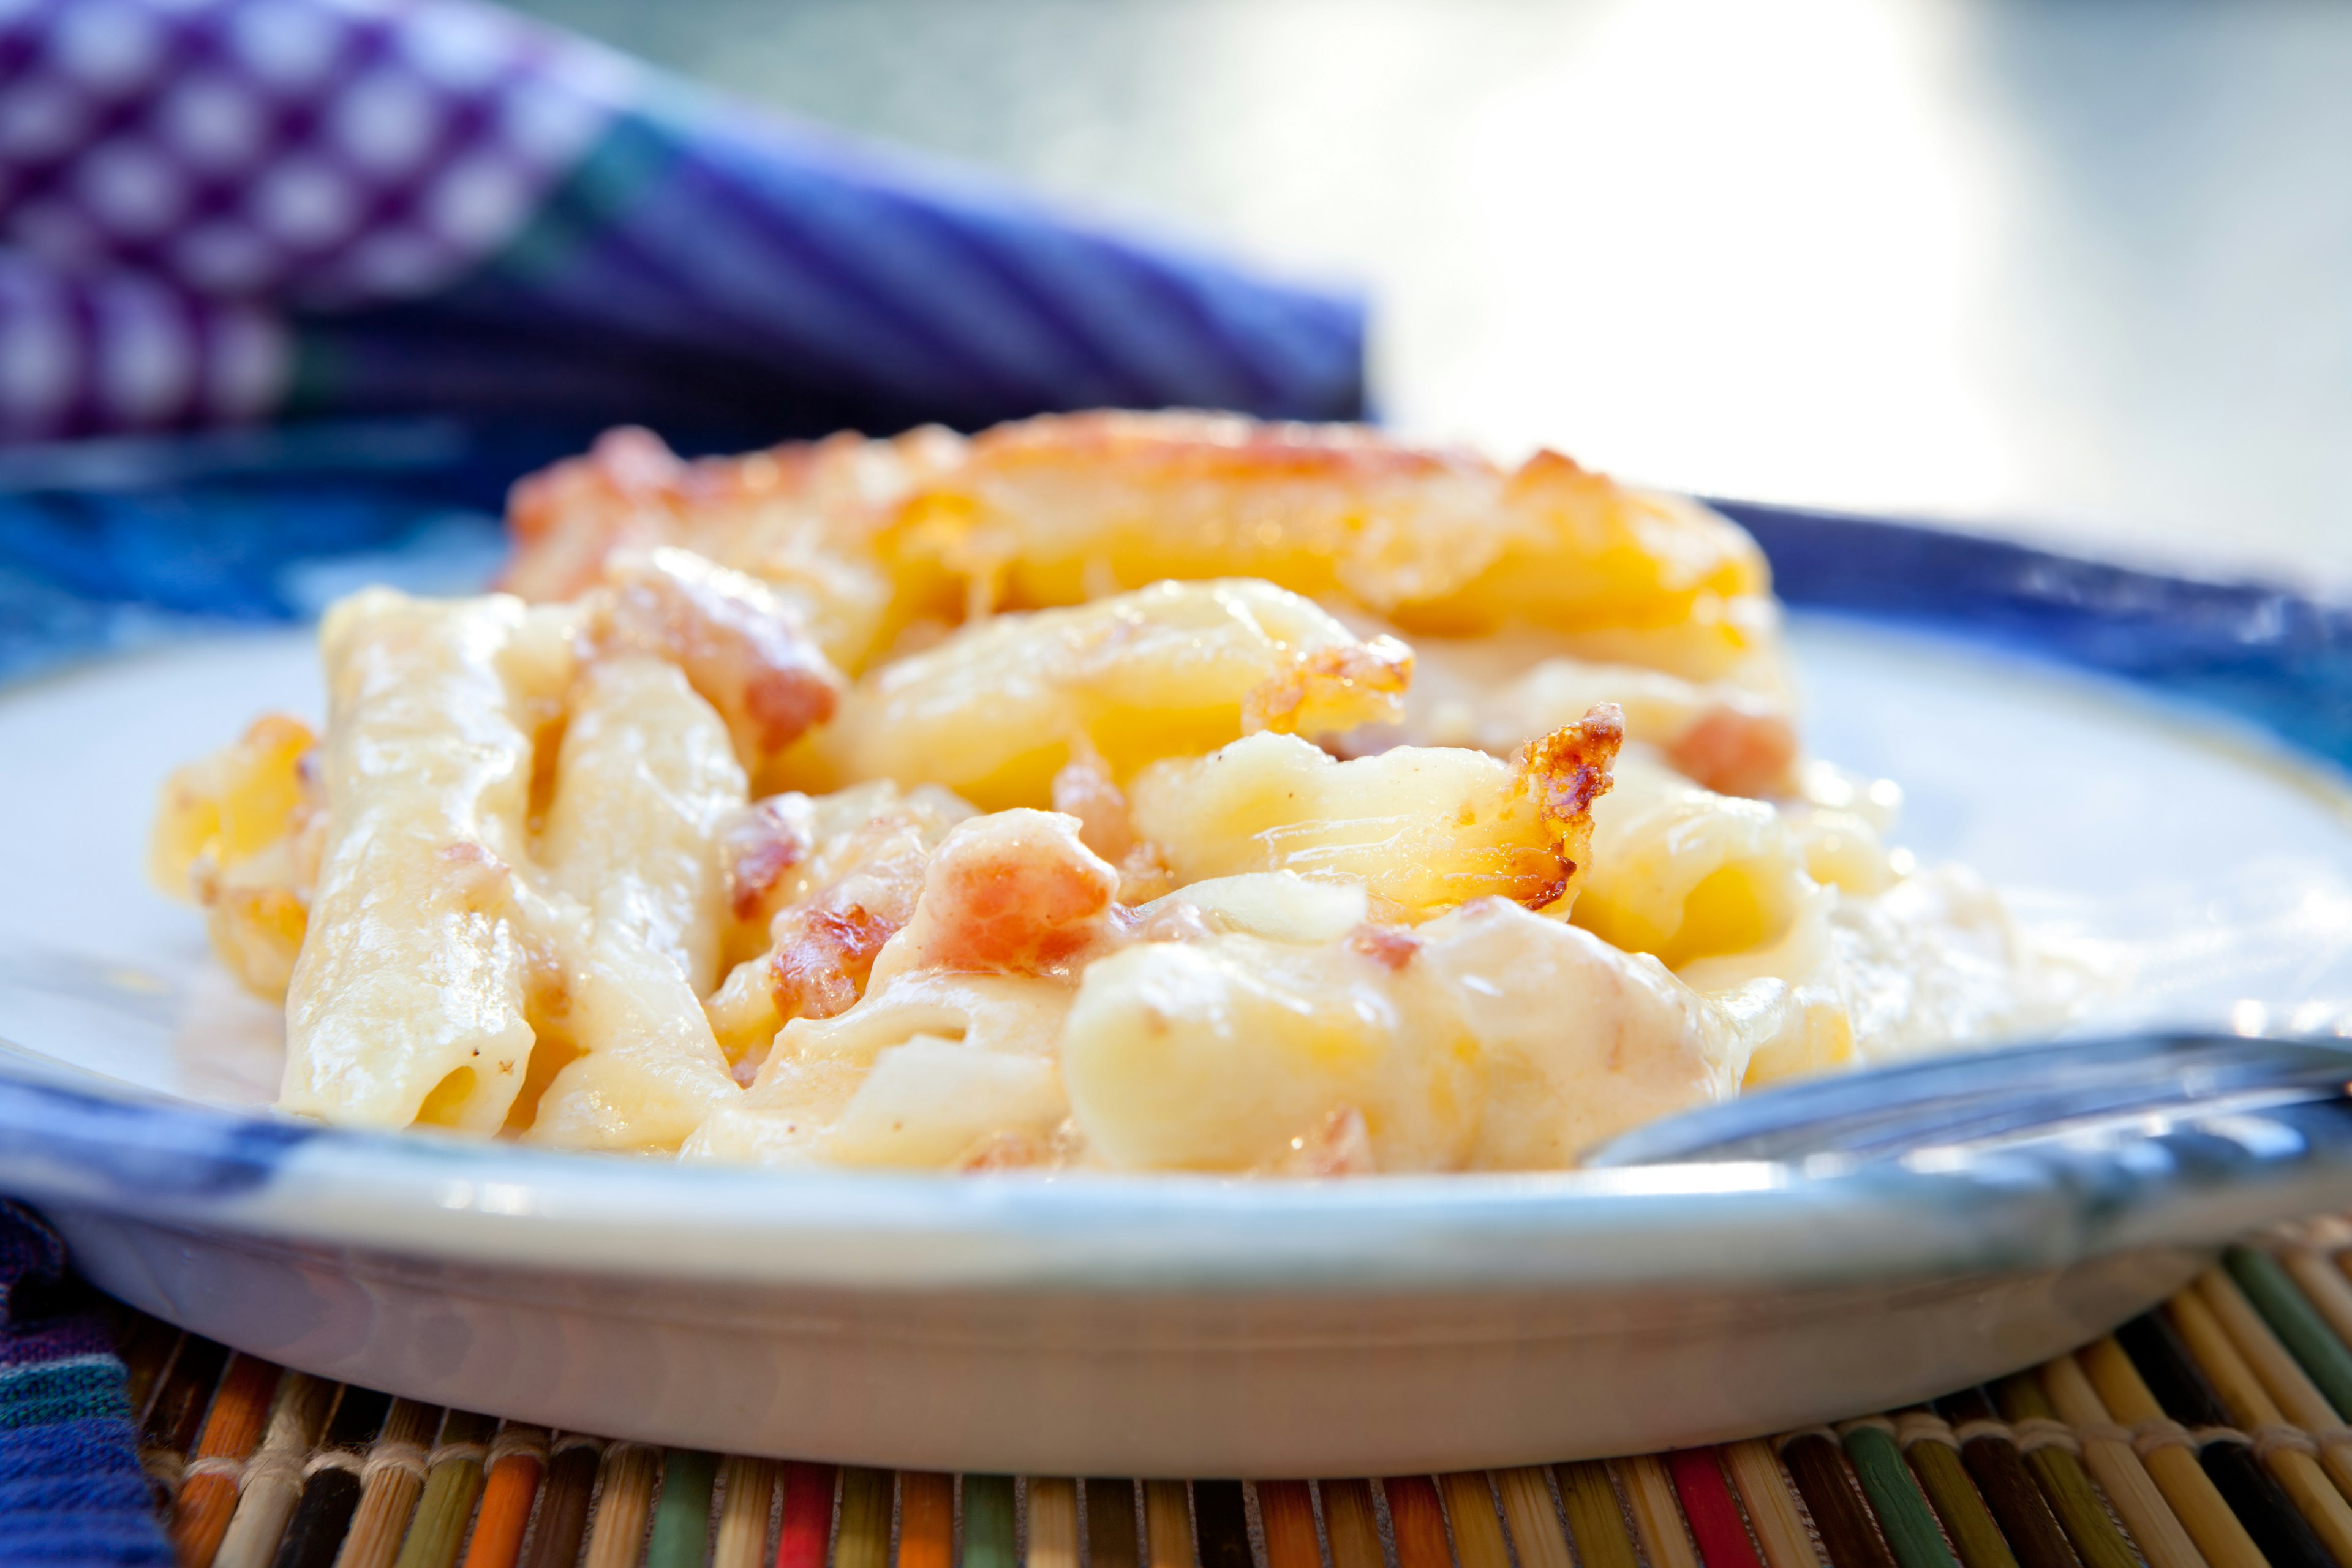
(631, 492)
(1184, 443)
(1326, 690)
(1566, 771)
(1060, 510)
(566, 520)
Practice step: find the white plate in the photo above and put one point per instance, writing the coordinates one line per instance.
(1167, 1326)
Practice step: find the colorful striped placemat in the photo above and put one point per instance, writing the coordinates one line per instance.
(2208, 1433)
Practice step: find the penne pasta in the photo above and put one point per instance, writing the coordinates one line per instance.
(1498, 693)
(407, 998)
(645, 779)
(643, 783)
(1422, 829)
(972, 1057)
(996, 711)
(736, 641)
(1683, 873)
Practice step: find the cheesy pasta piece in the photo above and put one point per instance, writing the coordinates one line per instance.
(1282, 905)
(953, 1044)
(1684, 873)
(1794, 1031)
(1932, 962)
(1498, 693)
(1491, 1039)
(1059, 510)
(644, 781)
(925, 1070)
(1424, 828)
(233, 805)
(240, 832)
(996, 711)
(410, 983)
(1842, 848)
(1845, 820)
(1935, 962)
(874, 537)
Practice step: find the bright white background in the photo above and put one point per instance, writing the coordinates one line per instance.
(2083, 268)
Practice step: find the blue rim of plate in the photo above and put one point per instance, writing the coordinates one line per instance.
(170, 539)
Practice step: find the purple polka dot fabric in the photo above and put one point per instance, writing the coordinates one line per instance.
(212, 211)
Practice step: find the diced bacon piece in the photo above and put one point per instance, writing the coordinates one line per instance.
(757, 846)
(568, 519)
(824, 953)
(1391, 946)
(737, 642)
(1737, 749)
(1013, 892)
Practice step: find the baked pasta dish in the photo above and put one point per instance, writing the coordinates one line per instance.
(1114, 792)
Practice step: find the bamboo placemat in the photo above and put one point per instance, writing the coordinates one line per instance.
(2208, 1434)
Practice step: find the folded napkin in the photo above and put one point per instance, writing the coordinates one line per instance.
(218, 211)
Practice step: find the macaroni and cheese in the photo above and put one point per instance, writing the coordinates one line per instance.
(1111, 792)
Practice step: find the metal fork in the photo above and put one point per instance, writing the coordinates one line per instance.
(2086, 1095)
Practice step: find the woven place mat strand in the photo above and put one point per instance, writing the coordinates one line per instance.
(2210, 1432)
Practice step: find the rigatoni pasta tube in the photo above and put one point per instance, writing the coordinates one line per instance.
(1421, 828)
(1173, 670)
(1684, 873)
(645, 779)
(410, 982)
(643, 783)
(1057, 509)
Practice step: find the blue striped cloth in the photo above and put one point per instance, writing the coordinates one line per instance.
(70, 1488)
